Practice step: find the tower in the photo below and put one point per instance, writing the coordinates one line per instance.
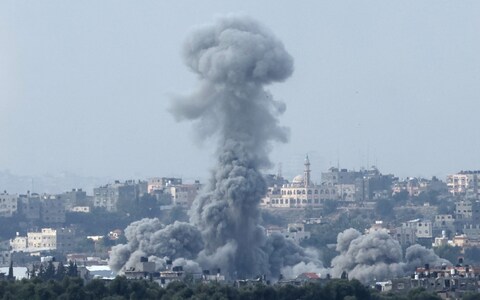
(306, 175)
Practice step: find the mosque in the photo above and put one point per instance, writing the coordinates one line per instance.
(300, 193)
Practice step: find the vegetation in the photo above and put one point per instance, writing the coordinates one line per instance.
(121, 288)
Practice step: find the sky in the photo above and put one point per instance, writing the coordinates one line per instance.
(85, 86)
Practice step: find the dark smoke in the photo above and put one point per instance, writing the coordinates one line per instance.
(377, 256)
(234, 59)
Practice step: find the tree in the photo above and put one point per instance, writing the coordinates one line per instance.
(448, 252)
(10, 271)
(61, 272)
(384, 207)
(401, 197)
(329, 206)
(72, 269)
(49, 271)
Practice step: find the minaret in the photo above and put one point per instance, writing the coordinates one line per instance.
(306, 175)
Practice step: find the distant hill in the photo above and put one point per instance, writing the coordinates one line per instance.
(48, 183)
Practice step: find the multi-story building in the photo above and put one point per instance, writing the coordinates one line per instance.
(29, 206)
(184, 194)
(75, 197)
(52, 209)
(60, 239)
(372, 184)
(343, 181)
(8, 204)
(423, 230)
(65, 239)
(118, 196)
(160, 183)
(46, 239)
(442, 223)
(405, 235)
(19, 243)
(340, 176)
(468, 211)
(464, 181)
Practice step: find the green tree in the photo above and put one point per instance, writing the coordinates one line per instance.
(10, 271)
(61, 271)
(49, 271)
(96, 288)
(384, 208)
(329, 206)
(451, 253)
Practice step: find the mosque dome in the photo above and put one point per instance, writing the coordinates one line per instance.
(298, 179)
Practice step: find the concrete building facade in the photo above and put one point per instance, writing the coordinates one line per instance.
(8, 204)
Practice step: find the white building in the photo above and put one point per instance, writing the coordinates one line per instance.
(460, 183)
(19, 243)
(298, 194)
(46, 239)
(60, 239)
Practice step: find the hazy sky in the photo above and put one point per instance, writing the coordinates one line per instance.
(85, 85)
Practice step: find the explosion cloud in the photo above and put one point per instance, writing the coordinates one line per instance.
(234, 59)
(377, 256)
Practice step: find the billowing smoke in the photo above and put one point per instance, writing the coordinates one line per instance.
(234, 59)
(377, 256)
(150, 238)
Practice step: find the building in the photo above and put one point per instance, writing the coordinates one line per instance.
(184, 194)
(8, 204)
(467, 211)
(300, 193)
(441, 241)
(118, 196)
(5, 258)
(444, 222)
(52, 209)
(447, 282)
(19, 243)
(29, 206)
(46, 239)
(73, 198)
(80, 209)
(462, 182)
(65, 239)
(377, 226)
(294, 231)
(372, 185)
(405, 236)
(160, 183)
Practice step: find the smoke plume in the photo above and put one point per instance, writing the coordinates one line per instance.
(150, 238)
(234, 58)
(377, 256)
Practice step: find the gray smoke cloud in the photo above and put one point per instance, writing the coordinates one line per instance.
(377, 256)
(234, 58)
(150, 238)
